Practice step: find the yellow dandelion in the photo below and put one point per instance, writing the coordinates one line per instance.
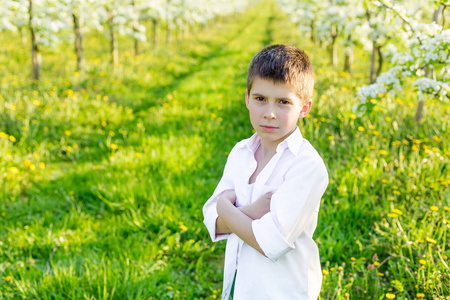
(37, 103)
(420, 295)
(32, 167)
(4, 135)
(331, 137)
(423, 262)
(8, 278)
(104, 123)
(69, 148)
(331, 269)
(111, 133)
(434, 208)
(325, 272)
(372, 147)
(396, 192)
(376, 264)
(380, 274)
(430, 240)
(392, 215)
(414, 148)
(105, 98)
(67, 132)
(383, 152)
(446, 208)
(183, 227)
(366, 159)
(340, 268)
(347, 295)
(360, 128)
(114, 146)
(138, 154)
(12, 139)
(27, 163)
(397, 211)
(352, 259)
(353, 116)
(390, 296)
(41, 165)
(14, 170)
(170, 288)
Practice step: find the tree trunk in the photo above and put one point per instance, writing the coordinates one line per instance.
(36, 58)
(372, 63)
(23, 37)
(348, 61)
(155, 32)
(313, 31)
(437, 12)
(419, 111)
(79, 51)
(334, 58)
(380, 60)
(135, 30)
(114, 44)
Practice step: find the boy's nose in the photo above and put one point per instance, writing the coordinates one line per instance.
(269, 113)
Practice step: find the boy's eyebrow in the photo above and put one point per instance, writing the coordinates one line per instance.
(278, 98)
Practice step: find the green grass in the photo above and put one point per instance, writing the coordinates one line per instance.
(101, 191)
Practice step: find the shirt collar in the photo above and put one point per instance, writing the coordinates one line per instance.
(292, 142)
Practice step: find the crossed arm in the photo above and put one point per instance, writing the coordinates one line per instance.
(239, 220)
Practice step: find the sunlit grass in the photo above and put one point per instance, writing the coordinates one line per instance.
(103, 174)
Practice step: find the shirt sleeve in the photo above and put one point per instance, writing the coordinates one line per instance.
(210, 208)
(292, 208)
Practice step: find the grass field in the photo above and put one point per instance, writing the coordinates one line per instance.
(103, 175)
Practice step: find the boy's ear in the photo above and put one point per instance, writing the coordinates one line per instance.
(246, 98)
(305, 109)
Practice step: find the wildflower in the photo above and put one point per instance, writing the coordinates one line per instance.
(4, 135)
(376, 264)
(380, 274)
(446, 208)
(383, 152)
(170, 288)
(27, 163)
(388, 119)
(423, 262)
(370, 266)
(138, 154)
(8, 278)
(67, 132)
(331, 137)
(414, 148)
(360, 128)
(353, 116)
(182, 226)
(375, 256)
(41, 165)
(111, 133)
(12, 139)
(114, 146)
(366, 159)
(390, 296)
(420, 295)
(32, 167)
(392, 215)
(397, 211)
(14, 170)
(340, 268)
(429, 240)
(325, 272)
(434, 208)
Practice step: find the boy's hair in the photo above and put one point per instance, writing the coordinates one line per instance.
(285, 64)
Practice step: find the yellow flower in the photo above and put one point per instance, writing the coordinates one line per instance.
(414, 148)
(390, 296)
(138, 154)
(32, 167)
(14, 170)
(331, 137)
(42, 165)
(420, 295)
(111, 133)
(388, 119)
(392, 215)
(429, 240)
(383, 152)
(397, 211)
(169, 288)
(423, 262)
(372, 147)
(325, 272)
(12, 139)
(8, 278)
(436, 138)
(380, 274)
(446, 208)
(114, 146)
(353, 116)
(4, 135)
(67, 132)
(434, 208)
(26, 162)
(366, 159)
(182, 226)
(352, 259)
(376, 264)
(360, 128)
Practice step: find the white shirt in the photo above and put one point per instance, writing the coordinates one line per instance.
(297, 176)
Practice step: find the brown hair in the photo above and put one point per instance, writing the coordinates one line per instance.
(285, 64)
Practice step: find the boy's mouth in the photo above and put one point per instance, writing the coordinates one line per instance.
(268, 128)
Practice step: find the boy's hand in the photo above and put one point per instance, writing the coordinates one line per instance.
(258, 208)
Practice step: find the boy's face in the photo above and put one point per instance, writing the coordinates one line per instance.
(274, 110)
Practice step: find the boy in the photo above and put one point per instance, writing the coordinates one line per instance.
(267, 202)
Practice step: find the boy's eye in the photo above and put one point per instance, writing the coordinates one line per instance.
(259, 98)
(284, 102)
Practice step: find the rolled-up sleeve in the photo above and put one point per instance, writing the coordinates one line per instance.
(292, 208)
(210, 208)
